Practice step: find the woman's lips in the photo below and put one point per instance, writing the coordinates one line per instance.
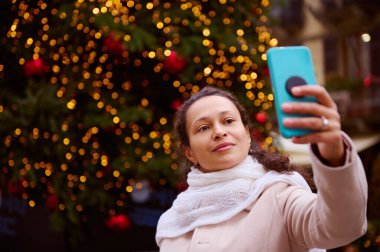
(223, 147)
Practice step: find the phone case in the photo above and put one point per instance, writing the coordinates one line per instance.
(290, 66)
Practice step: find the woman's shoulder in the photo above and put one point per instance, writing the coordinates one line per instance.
(285, 194)
(281, 188)
(280, 196)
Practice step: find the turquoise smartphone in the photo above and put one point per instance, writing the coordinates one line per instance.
(288, 67)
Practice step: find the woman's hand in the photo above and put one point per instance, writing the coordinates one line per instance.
(325, 120)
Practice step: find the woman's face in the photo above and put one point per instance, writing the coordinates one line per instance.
(217, 137)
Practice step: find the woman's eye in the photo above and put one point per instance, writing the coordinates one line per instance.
(229, 120)
(203, 128)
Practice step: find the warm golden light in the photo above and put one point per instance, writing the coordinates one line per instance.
(111, 80)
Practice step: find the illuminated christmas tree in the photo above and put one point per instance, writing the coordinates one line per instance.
(89, 89)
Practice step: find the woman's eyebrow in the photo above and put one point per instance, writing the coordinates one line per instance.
(204, 118)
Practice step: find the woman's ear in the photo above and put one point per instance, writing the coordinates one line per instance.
(189, 154)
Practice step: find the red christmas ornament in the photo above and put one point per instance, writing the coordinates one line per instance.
(175, 104)
(257, 11)
(182, 186)
(261, 117)
(266, 71)
(367, 81)
(51, 201)
(113, 45)
(35, 67)
(256, 135)
(118, 223)
(174, 64)
(14, 188)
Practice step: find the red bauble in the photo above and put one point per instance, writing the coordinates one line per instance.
(266, 71)
(174, 64)
(118, 223)
(367, 81)
(257, 11)
(35, 67)
(113, 45)
(261, 117)
(256, 135)
(175, 104)
(51, 201)
(182, 186)
(14, 188)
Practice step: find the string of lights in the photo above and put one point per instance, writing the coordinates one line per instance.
(98, 83)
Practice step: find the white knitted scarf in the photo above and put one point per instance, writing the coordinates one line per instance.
(217, 196)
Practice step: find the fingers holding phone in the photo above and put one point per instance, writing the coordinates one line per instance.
(323, 115)
(324, 122)
(305, 111)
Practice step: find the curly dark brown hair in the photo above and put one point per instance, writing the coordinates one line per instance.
(270, 160)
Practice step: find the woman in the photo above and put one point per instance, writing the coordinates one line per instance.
(243, 199)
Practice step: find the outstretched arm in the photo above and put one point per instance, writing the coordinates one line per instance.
(336, 215)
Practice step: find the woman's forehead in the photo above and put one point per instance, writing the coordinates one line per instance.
(210, 106)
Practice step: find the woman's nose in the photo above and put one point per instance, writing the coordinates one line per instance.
(219, 131)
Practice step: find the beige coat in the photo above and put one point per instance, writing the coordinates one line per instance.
(288, 218)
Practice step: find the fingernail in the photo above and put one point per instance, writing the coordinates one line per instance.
(296, 90)
(287, 121)
(286, 106)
